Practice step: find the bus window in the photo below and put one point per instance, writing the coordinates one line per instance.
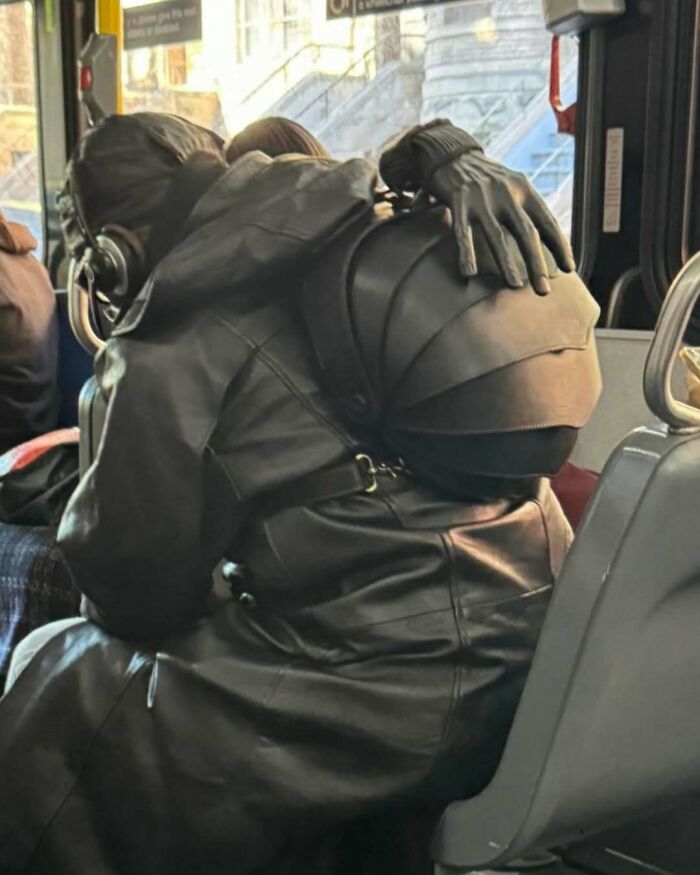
(20, 185)
(356, 83)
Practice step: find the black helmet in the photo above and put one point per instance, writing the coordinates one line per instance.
(478, 387)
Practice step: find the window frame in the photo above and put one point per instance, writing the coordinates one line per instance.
(17, 155)
(670, 149)
(287, 22)
(56, 42)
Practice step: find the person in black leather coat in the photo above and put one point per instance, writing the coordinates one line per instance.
(374, 653)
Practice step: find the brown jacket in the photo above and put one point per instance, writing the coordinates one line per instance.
(28, 340)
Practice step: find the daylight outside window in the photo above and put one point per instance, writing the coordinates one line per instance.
(356, 83)
(20, 180)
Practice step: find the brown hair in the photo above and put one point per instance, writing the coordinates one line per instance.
(275, 136)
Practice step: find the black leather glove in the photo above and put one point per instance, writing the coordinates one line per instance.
(446, 163)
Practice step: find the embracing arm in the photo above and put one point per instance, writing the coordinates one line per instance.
(448, 164)
(264, 218)
(154, 513)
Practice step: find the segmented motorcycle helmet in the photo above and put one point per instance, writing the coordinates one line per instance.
(476, 386)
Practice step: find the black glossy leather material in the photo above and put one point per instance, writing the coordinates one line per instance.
(446, 163)
(380, 652)
(460, 378)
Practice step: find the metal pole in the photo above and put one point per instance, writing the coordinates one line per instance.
(108, 20)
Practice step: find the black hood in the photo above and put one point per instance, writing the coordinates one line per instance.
(123, 169)
(262, 219)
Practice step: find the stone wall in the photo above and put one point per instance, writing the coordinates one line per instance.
(387, 105)
(484, 61)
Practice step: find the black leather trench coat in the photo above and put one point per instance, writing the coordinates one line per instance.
(380, 659)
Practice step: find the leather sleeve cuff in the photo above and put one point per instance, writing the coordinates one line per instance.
(410, 163)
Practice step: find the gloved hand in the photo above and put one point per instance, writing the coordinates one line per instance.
(446, 163)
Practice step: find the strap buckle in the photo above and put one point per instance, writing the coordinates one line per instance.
(369, 471)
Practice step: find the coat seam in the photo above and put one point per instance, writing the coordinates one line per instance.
(456, 668)
(78, 777)
(530, 593)
(360, 626)
(548, 539)
(311, 408)
(260, 353)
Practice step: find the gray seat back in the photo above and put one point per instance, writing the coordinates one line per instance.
(622, 406)
(607, 728)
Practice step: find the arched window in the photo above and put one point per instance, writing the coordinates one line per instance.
(274, 27)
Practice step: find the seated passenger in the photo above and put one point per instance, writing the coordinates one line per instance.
(377, 640)
(275, 136)
(28, 340)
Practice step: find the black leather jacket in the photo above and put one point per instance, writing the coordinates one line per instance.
(382, 659)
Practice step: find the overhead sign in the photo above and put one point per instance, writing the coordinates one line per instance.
(160, 24)
(353, 8)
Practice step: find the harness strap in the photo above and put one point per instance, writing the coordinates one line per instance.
(350, 478)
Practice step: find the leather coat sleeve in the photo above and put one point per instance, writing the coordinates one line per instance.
(154, 513)
(263, 219)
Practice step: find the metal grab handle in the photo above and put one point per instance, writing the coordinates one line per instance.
(79, 312)
(663, 354)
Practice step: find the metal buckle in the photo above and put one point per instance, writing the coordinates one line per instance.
(370, 471)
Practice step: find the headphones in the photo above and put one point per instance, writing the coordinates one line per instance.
(109, 268)
(110, 273)
(114, 265)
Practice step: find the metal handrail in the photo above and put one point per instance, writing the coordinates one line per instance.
(566, 146)
(663, 353)
(617, 296)
(315, 48)
(451, 98)
(500, 104)
(323, 95)
(536, 107)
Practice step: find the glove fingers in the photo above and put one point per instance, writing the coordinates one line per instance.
(499, 247)
(550, 232)
(465, 237)
(529, 243)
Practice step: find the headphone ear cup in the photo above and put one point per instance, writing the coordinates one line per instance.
(119, 269)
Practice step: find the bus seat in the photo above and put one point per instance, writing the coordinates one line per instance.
(35, 585)
(606, 729)
(621, 406)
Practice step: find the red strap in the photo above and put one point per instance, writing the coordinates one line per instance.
(24, 454)
(566, 118)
